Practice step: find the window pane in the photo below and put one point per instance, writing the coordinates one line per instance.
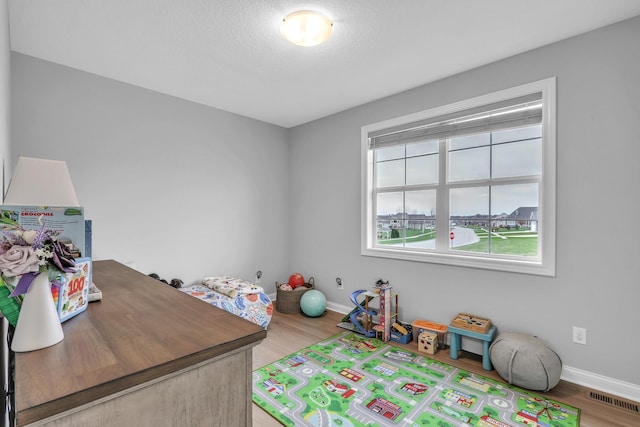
(389, 153)
(390, 173)
(389, 203)
(469, 218)
(470, 141)
(420, 148)
(518, 134)
(509, 240)
(386, 234)
(517, 159)
(421, 202)
(390, 218)
(420, 207)
(469, 202)
(469, 164)
(516, 226)
(422, 170)
(505, 199)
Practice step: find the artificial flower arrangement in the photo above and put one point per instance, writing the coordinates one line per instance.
(24, 254)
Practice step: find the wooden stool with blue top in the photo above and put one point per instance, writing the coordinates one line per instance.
(462, 326)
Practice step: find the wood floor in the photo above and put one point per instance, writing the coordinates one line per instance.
(288, 333)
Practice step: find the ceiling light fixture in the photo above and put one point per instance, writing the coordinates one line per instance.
(306, 28)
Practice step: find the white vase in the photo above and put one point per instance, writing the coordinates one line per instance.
(38, 323)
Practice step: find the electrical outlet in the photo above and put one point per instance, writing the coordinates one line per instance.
(339, 283)
(579, 335)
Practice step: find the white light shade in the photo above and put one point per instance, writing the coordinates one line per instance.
(40, 182)
(306, 28)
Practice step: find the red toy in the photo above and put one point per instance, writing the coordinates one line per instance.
(296, 280)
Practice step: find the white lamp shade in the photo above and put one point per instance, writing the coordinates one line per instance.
(40, 182)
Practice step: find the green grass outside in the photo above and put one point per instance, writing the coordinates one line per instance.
(507, 232)
(515, 246)
(412, 236)
(517, 242)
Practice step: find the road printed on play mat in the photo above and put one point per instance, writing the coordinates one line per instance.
(350, 380)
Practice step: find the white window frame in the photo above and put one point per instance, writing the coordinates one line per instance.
(544, 264)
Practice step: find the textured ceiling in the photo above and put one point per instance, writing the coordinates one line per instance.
(229, 54)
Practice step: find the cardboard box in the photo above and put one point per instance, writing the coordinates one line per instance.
(69, 221)
(72, 297)
(420, 326)
(428, 342)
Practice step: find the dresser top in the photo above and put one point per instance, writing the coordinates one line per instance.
(142, 330)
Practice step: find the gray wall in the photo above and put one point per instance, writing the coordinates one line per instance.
(598, 257)
(171, 186)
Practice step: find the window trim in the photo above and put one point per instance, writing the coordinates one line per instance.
(544, 266)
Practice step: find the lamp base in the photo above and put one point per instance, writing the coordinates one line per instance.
(38, 323)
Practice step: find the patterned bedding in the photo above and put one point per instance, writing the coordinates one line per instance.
(239, 297)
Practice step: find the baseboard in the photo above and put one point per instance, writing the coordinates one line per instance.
(343, 309)
(601, 383)
(570, 374)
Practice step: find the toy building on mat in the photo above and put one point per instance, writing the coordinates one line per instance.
(374, 313)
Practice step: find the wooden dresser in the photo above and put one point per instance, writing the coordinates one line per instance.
(146, 355)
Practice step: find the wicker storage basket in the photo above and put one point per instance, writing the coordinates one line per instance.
(289, 301)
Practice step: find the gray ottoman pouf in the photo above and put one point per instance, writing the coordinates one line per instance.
(525, 361)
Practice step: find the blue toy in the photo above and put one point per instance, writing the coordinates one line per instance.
(360, 308)
(313, 303)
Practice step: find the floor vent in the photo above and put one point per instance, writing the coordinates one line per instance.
(615, 401)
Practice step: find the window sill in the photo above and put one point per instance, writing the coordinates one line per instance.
(534, 267)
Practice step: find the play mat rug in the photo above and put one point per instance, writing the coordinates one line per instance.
(351, 380)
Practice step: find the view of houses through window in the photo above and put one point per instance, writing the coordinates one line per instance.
(498, 219)
(465, 186)
(466, 233)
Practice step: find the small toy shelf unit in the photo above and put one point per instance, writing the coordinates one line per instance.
(387, 309)
(375, 312)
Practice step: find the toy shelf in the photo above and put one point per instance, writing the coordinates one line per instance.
(380, 324)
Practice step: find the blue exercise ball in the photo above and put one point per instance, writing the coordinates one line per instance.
(313, 303)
